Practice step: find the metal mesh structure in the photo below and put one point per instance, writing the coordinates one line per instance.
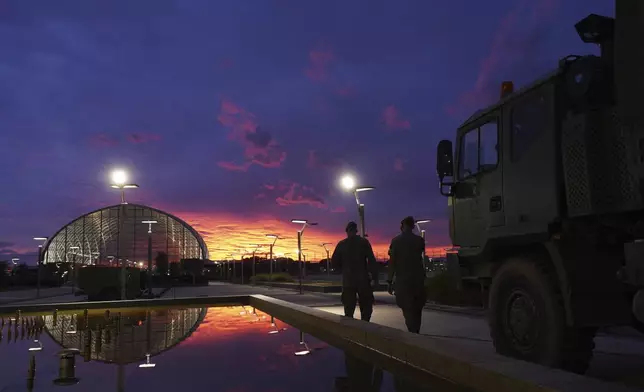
(117, 233)
(136, 333)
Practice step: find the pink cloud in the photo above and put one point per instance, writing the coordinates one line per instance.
(486, 90)
(233, 166)
(319, 62)
(288, 193)
(259, 146)
(392, 120)
(138, 138)
(103, 140)
(399, 164)
(338, 210)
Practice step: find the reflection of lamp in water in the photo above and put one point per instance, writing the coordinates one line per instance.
(304, 348)
(147, 363)
(67, 368)
(72, 326)
(274, 325)
(38, 347)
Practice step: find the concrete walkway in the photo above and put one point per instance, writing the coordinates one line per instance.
(28, 295)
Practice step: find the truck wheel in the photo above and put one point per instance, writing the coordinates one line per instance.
(527, 319)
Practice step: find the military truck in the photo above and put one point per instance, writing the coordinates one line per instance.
(546, 199)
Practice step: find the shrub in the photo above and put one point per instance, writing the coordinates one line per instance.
(282, 277)
(276, 277)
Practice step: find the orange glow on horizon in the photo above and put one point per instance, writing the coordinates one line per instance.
(227, 235)
(223, 322)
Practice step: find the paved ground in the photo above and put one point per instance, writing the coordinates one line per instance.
(30, 294)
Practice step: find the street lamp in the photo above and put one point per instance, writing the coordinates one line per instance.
(275, 237)
(147, 363)
(255, 262)
(300, 232)
(304, 348)
(349, 183)
(422, 234)
(229, 257)
(149, 273)
(328, 262)
(420, 222)
(119, 181)
(42, 241)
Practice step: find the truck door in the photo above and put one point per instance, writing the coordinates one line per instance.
(478, 196)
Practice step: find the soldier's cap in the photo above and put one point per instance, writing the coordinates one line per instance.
(408, 221)
(351, 226)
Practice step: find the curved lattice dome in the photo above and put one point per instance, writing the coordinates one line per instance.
(124, 337)
(117, 231)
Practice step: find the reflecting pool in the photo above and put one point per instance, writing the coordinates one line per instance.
(226, 349)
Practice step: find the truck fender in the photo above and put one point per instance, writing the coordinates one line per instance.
(562, 277)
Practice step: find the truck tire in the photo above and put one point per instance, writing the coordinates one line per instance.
(527, 318)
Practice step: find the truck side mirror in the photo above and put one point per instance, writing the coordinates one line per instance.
(444, 160)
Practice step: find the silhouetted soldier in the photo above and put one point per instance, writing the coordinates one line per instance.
(406, 265)
(359, 272)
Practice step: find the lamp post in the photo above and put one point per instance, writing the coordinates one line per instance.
(328, 262)
(74, 249)
(254, 262)
(42, 241)
(349, 184)
(303, 251)
(120, 181)
(422, 234)
(230, 257)
(270, 268)
(242, 266)
(300, 232)
(149, 272)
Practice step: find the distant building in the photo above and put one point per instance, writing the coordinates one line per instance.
(102, 236)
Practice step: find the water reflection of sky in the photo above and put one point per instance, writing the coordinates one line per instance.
(231, 350)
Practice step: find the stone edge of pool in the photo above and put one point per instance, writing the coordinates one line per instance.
(461, 364)
(482, 371)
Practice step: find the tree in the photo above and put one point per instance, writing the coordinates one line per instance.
(162, 263)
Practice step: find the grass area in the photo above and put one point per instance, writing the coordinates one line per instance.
(280, 277)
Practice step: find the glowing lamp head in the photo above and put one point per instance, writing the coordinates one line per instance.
(348, 182)
(119, 177)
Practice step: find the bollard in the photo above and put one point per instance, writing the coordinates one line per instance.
(67, 368)
(31, 373)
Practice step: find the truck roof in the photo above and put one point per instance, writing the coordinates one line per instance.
(538, 82)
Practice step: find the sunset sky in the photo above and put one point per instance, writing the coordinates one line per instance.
(238, 116)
